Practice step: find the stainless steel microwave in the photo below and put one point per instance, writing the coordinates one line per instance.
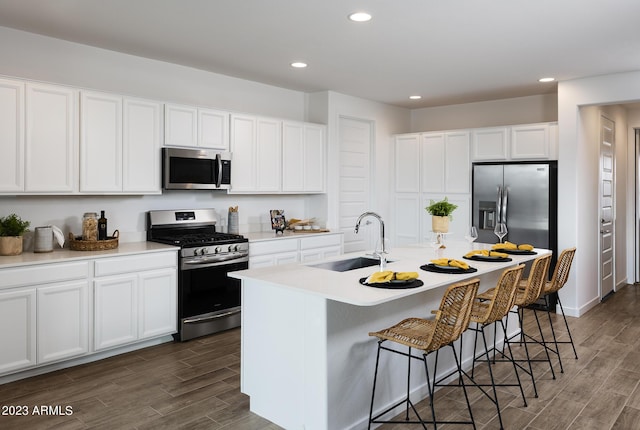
(195, 169)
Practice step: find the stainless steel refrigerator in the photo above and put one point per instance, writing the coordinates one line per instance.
(523, 195)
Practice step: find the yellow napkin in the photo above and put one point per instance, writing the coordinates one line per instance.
(388, 275)
(509, 245)
(486, 253)
(451, 263)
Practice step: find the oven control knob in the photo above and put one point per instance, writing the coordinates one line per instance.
(195, 251)
(217, 249)
(204, 251)
(231, 248)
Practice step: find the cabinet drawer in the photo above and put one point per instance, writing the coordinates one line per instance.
(44, 273)
(135, 263)
(275, 246)
(320, 241)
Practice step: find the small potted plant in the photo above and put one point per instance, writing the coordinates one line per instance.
(12, 227)
(440, 214)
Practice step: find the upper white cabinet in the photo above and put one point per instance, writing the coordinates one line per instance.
(490, 143)
(190, 126)
(303, 164)
(518, 142)
(11, 135)
(38, 137)
(117, 159)
(432, 163)
(256, 145)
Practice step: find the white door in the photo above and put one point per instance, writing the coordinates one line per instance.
(355, 140)
(606, 201)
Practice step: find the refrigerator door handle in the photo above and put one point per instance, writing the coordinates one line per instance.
(499, 205)
(503, 211)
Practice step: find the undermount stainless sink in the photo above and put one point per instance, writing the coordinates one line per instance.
(350, 264)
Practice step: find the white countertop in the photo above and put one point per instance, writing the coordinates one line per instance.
(288, 234)
(60, 255)
(345, 286)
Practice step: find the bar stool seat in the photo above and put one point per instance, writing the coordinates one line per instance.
(428, 336)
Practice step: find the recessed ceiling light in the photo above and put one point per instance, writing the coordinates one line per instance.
(299, 65)
(546, 79)
(415, 97)
(360, 17)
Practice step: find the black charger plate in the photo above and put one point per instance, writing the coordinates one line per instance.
(490, 259)
(449, 270)
(394, 285)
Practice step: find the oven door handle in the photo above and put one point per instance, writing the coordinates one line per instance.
(214, 259)
(211, 317)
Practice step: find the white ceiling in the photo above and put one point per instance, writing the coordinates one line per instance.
(448, 51)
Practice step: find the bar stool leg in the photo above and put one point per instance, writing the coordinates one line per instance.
(544, 344)
(567, 326)
(373, 390)
(513, 361)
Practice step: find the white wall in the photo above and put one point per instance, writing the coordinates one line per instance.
(520, 110)
(633, 223)
(578, 202)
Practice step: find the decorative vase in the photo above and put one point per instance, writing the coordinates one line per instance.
(10, 245)
(440, 224)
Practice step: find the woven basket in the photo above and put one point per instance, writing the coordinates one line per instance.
(77, 244)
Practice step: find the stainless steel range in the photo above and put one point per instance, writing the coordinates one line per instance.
(208, 299)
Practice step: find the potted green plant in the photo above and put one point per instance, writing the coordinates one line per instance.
(440, 214)
(12, 227)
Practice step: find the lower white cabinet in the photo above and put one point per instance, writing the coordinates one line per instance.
(18, 336)
(63, 321)
(50, 312)
(137, 305)
(278, 251)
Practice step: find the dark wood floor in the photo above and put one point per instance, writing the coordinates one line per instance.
(195, 385)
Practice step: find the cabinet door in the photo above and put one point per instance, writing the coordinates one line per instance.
(433, 163)
(243, 141)
(63, 321)
(490, 143)
(180, 125)
(458, 226)
(11, 135)
(51, 140)
(100, 143)
(115, 311)
(213, 129)
(268, 155)
(141, 146)
(293, 157)
(157, 310)
(314, 164)
(407, 163)
(530, 141)
(457, 178)
(407, 218)
(18, 336)
(319, 253)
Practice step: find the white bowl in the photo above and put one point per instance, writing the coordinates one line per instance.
(315, 227)
(298, 227)
(307, 227)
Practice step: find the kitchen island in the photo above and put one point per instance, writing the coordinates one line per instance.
(307, 359)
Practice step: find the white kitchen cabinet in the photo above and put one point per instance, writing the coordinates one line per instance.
(407, 163)
(213, 129)
(256, 145)
(516, 142)
(457, 171)
(51, 143)
(431, 161)
(195, 127)
(530, 142)
(157, 303)
(134, 298)
(314, 248)
(119, 144)
(273, 252)
(18, 336)
(303, 164)
(407, 218)
(490, 143)
(458, 226)
(100, 142)
(38, 137)
(63, 321)
(11, 135)
(141, 146)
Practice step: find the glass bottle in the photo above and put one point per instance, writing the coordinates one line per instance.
(102, 227)
(89, 226)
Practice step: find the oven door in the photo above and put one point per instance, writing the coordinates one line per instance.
(208, 299)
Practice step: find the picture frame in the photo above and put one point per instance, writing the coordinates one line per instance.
(278, 221)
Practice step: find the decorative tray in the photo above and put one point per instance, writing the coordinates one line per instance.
(77, 244)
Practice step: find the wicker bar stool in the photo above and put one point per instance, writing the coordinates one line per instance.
(429, 336)
(527, 293)
(491, 312)
(558, 280)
